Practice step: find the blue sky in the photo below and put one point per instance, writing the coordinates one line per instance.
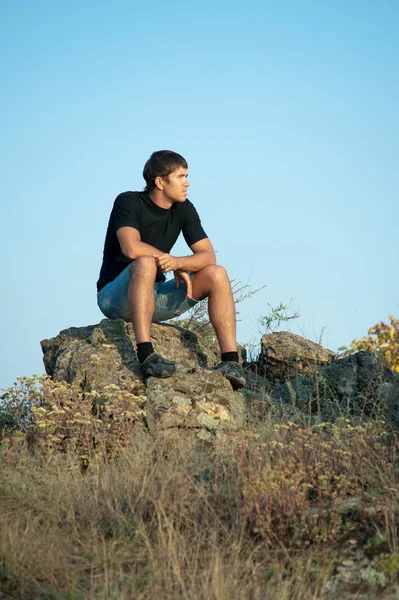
(286, 112)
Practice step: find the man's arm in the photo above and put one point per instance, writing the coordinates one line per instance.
(204, 255)
(131, 245)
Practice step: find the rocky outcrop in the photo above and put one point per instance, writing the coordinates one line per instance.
(293, 374)
(357, 385)
(102, 357)
(363, 383)
(285, 355)
(203, 402)
(105, 354)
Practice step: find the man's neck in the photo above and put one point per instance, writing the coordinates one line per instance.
(160, 199)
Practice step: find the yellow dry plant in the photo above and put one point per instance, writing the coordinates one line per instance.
(382, 340)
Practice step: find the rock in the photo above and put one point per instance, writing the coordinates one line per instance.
(297, 373)
(204, 402)
(102, 357)
(285, 355)
(355, 385)
(363, 384)
(359, 579)
(105, 354)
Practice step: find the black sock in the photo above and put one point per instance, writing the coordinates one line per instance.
(144, 349)
(230, 356)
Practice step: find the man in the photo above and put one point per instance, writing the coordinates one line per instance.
(142, 230)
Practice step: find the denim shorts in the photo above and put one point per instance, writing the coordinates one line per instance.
(170, 301)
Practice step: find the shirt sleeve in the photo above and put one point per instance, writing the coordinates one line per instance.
(192, 228)
(126, 211)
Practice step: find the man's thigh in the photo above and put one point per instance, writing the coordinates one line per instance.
(112, 299)
(170, 301)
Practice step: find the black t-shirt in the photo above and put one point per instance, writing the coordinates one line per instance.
(159, 227)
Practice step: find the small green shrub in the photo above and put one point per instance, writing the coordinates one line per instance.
(387, 564)
(277, 315)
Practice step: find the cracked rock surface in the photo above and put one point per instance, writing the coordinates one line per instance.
(196, 399)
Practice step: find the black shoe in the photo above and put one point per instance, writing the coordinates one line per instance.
(233, 372)
(157, 366)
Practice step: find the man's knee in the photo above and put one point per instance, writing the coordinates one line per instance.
(143, 265)
(215, 273)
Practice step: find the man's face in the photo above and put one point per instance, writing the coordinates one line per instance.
(175, 185)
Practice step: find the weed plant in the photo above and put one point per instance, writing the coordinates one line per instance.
(88, 511)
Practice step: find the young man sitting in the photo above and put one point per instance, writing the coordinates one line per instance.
(142, 229)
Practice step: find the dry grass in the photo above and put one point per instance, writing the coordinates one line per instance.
(264, 514)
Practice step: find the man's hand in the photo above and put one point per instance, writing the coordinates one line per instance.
(183, 276)
(165, 262)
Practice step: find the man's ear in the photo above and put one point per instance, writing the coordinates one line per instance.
(159, 182)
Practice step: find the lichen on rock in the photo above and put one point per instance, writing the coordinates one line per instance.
(196, 398)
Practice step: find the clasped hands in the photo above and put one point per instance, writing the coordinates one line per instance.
(166, 262)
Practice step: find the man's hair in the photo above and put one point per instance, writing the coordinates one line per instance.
(161, 164)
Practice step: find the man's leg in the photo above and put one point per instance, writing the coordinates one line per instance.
(141, 304)
(213, 282)
(140, 296)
